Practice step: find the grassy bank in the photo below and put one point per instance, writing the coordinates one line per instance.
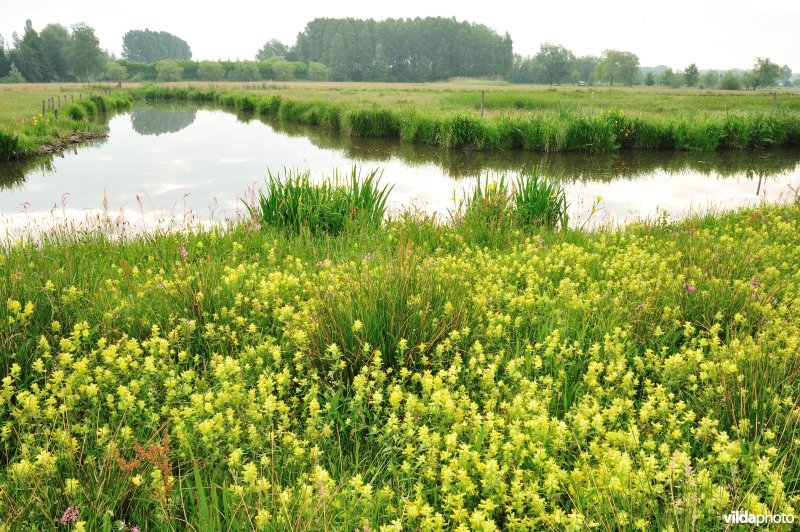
(536, 128)
(25, 131)
(407, 376)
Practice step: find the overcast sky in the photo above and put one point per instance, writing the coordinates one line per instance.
(711, 33)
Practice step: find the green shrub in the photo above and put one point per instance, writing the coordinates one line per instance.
(76, 112)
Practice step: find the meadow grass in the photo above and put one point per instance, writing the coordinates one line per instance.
(565, 128)
(404, 376)
(24, 131)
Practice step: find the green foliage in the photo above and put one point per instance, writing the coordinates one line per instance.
(615, 65)
(765, 73)
(272, 48)
(9, 145)
(14, 76)
(168, 70)
(245, 71)
(555, 62)
(318, 72)
(691, 75)
(296, 204)
(371, 122)
(86, 59)
(56, 42)
(210, 71)
(76, 112)
(116, 72)
(649, 79)
(539, 202)
(379, 50)
(147, 46)
(31, 57)
(730, 82)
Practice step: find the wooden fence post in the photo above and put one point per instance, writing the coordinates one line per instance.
(43, 110)
(774, 97)
(483, 98)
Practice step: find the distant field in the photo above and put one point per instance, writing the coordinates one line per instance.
(505, 99)
(536, 118)
(18, 101)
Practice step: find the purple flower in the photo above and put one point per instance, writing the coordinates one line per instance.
(161, 286)
(754, 282)
(690, 288)
(183, 252)
(71, 514)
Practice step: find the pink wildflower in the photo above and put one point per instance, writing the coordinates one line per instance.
(71, 514)
(689, 287)
(183, 252)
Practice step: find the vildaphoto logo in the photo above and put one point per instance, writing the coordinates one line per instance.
(746, 518)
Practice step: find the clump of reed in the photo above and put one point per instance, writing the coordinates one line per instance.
(371, 122)
(295, 203)
(494, 208)
(9, 145)
(76, 112)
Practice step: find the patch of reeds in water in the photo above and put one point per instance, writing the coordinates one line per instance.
(295, 203)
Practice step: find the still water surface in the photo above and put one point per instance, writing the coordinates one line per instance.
(162, 166)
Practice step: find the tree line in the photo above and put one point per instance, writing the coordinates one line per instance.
(409, 50)
(54, 54)
(402, 50)
(555, 64)
(272, 69)
(147, 46)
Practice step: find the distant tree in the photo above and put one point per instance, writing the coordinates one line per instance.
(710, 79)
(151, 46)
(691, 75)
(615, 65)
(338, 58)
(649, 79)
(575, 77)
(85, 58)
(283, 71)
(586, 65)
(786, 76)
(419, 49)
(30, 56)
(272, 48)
(522, 70)
(555, 62)
(55, 40)
(765, 73)
(210, 71)
(116, 72)
(245, 71)
(667, 78)
(14, 75)
(5, 64)
(168, 70)
(318, 72)
(730, 82)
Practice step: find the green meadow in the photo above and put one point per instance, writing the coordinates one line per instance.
(322, 365)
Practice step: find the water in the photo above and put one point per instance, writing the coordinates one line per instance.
(172, 166)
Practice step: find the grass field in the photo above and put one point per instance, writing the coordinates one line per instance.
(318, 367)
(25, 131)
(536, 118)
(413, 376)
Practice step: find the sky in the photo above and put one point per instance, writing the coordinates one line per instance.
(711, 33)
